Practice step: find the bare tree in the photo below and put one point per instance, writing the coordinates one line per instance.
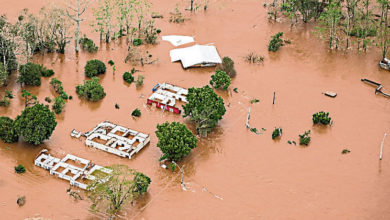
(74, 12)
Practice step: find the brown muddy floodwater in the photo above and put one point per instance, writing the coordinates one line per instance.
(233, 174)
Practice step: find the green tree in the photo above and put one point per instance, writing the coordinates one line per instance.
(30, 74)
(128, 77)
(7, 130)
(3, 75)
(321, 118)
(141, 183)
(329, 24)
(220, 80)
(205, 108)
(276, 42)
(94, 68)
(109, 193)
(175, 141)
(91, 90)
(35, 124)
(29, 99)
(58, 105)
(383, 23)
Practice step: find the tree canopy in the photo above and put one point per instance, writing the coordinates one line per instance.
(220, 80)
(30, 74)
(7, 131)
(94, 68)
(109, 193)
(35, 124)
(91, 90)
(175, 140)
(205, 108)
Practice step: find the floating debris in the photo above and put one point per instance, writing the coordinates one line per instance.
(330, 94)
(379, 87)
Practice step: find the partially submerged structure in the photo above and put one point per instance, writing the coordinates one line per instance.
(385, 64)
(78, 171)
(196, 56)
(116, 139)
(378, 87)
(165, 96)
(177, 40)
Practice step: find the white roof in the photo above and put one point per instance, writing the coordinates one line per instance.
(194, 55)
(177, 40)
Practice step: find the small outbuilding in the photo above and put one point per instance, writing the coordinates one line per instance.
(196, 56)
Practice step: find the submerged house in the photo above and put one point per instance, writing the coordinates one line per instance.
(165, 96)
(78, 171)
(116, 139)
(196, 56)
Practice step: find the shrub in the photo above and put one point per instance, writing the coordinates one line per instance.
(128, 77)
(158, 31)
(63, 95)
(175, 141)
(47, 72)
(3, 75)
(20, 169)
(5, 102)
(35, 124)
(70, 97)
(116, 106)
(220, 80)
(7, 130)
(277, 133)
(91, 90)
(111, 62)
(140, 80)
(48, 99)
(30, 74)
(141, 183)
(88, 44)
(94, 68)
(137, 42)
(345, 151)
(276, 42)
(228, 67)
(304, 139)
(58, 105)
(150, 33)
(322, 118)
(136, 113)
(252, 57)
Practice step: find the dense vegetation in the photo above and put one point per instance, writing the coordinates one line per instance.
(304, 139)
(109, 193)
(91, 90)
(220, 80)
(30, 74)
(321, 118)
(35, 124)
(276, 42)
(94, 68)
(88, 45)
(128, 77)
(174, 140)
(205, 108)
(58, 105)
(7, 130)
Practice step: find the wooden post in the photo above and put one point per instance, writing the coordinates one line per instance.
(381, 153)
(182, 174)
(273, 100)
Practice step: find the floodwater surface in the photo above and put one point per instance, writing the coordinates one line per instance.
(234, 173)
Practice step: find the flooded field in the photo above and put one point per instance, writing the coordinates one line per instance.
(232, 174)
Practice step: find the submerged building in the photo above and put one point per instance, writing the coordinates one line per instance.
(165, 96)
(116, 139)
(78, 171)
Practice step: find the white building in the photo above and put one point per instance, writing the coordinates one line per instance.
(78, 171)
(116, 139)
(196, 56)
(165, 96)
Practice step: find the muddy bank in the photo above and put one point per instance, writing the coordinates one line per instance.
(234, 173)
